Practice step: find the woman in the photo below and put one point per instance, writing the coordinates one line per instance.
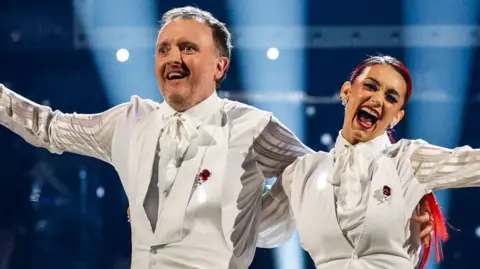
(353, 205)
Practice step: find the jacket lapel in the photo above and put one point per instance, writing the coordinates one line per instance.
(151, 128)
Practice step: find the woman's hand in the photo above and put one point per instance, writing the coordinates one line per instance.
(425, 221)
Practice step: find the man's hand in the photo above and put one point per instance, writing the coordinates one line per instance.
(425, 221)
(128, 214)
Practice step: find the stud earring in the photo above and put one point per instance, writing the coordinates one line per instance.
(344, 102)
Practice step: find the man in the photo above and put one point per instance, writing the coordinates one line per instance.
(193, 167)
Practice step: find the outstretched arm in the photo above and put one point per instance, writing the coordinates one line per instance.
(89, 135)
(275, 148)
(441, 168)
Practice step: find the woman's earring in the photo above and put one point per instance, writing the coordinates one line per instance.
(344, 102)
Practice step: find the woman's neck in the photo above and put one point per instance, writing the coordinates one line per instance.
(348, 136)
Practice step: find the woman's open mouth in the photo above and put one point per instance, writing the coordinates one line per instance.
(367, 117)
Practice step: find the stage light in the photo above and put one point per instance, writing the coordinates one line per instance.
(123, 55)
(273, 53)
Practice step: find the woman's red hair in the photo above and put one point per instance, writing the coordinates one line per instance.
(440, 233)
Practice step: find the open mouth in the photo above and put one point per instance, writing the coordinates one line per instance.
(174, 75)
(367, 117)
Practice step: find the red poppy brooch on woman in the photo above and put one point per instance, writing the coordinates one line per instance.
(383, 194)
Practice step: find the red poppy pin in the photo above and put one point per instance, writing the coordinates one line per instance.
(204, 175)
(383, 194)
(387, 191)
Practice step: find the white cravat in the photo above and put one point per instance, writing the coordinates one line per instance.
(178, 132)
(349, 175)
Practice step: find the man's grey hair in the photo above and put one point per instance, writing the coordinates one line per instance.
(221, 36)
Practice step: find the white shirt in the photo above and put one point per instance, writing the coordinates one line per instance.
(343, 216)
(351, 181)
(194, 118)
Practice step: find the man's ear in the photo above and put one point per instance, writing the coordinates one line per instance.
(222, 64)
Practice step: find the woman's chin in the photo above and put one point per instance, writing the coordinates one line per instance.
(363, 134)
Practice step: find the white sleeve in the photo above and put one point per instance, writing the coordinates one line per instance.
(276, 147)
(85, 134)
(441, 168)
(277, 221)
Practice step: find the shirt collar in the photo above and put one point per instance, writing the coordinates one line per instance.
(367, 149)
(199, 113)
